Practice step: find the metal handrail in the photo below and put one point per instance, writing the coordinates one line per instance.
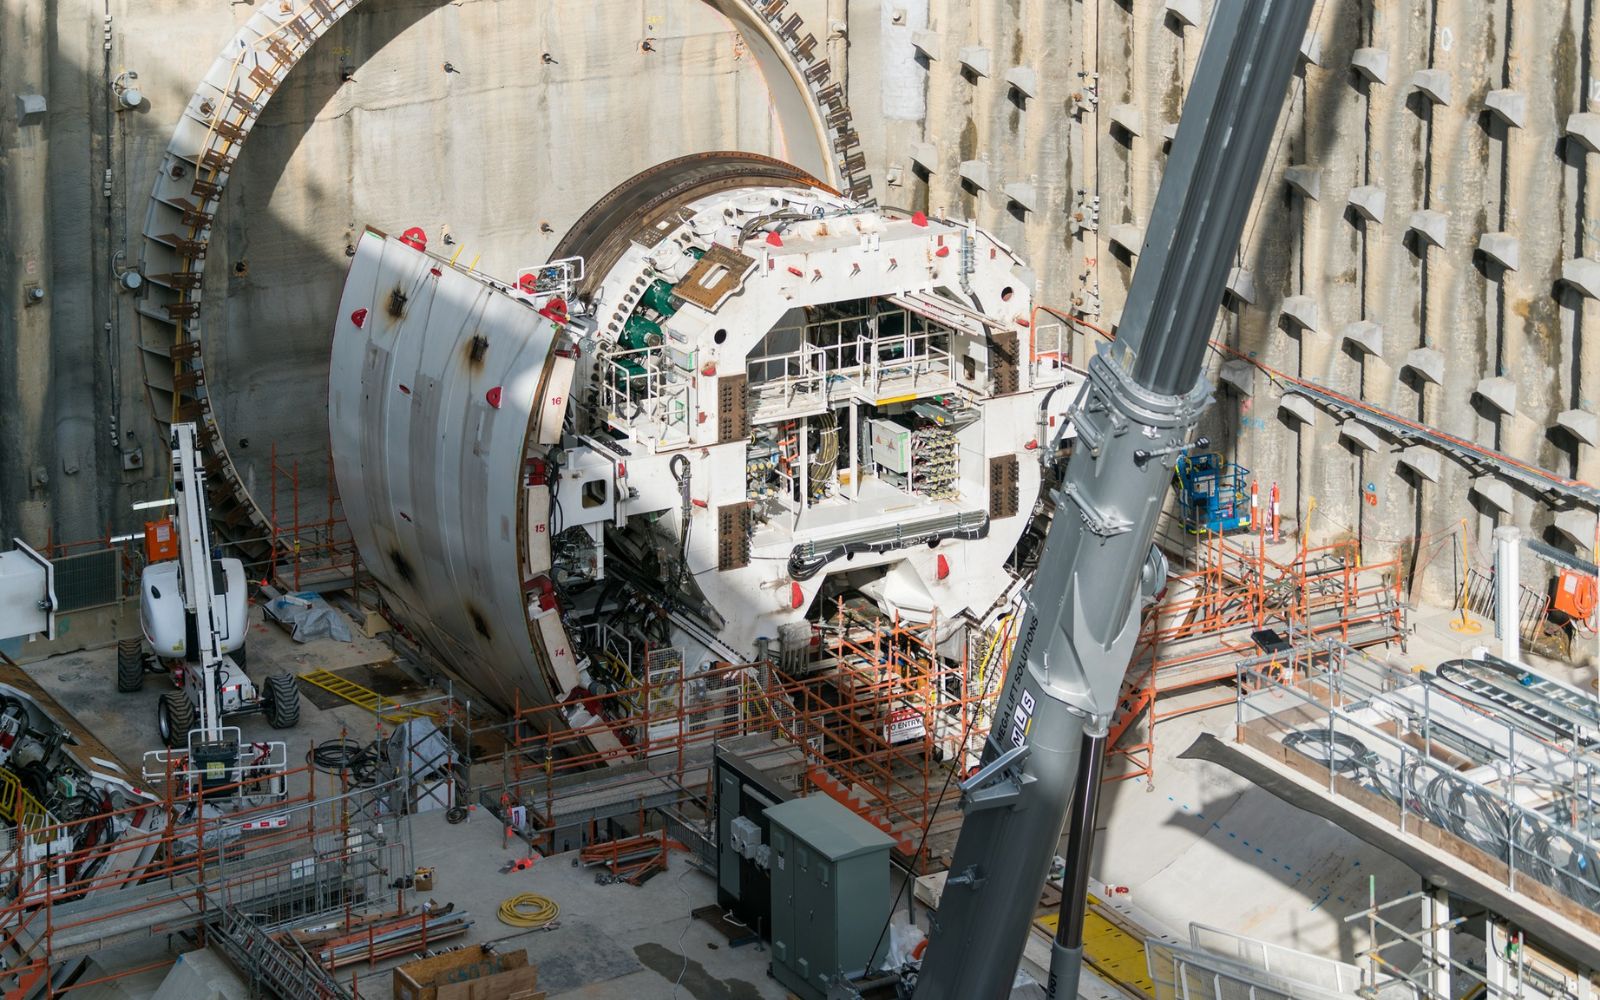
(1316, 689)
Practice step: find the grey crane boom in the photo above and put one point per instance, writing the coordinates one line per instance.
(1143, 399)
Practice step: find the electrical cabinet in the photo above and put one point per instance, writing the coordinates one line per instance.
(744, 858)
(891, 445)
(830, 894)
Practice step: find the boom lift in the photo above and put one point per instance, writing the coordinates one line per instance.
(1143, 400)
(194, 614)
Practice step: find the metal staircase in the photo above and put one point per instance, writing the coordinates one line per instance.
(270, 965)
(902, 834)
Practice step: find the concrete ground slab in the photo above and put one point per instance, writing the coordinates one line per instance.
(613, 941)
(202, 973)
(1196, 844)
(137, 986)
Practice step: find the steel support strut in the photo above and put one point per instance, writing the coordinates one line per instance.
(1066, 953)
(1139, 407)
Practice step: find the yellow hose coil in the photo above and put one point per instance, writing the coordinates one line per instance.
(529, 910)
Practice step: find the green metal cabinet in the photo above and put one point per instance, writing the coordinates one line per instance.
(830, 893)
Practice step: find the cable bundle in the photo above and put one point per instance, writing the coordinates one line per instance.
(338, 756)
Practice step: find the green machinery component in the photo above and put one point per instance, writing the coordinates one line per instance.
(660, 298)
(639, 333)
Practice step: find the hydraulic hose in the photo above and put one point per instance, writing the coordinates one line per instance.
(803, 567)
(528, 910)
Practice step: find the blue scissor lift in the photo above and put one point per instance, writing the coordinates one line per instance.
(1213, 493)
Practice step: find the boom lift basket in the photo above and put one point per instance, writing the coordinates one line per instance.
(1213, 494)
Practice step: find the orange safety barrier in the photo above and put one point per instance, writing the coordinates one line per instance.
(631, 859)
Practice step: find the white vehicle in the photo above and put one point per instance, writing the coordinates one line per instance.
(169, 627)
(194, 612)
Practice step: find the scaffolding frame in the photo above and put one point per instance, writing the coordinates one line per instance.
(306, 553)
(177, 869)
(878, 722)
(1195, 635)
(1508, 974)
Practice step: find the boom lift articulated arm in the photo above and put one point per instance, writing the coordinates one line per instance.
(196, 566)
(1143, 400)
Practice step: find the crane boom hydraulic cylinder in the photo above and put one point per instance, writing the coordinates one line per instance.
(1142, 401)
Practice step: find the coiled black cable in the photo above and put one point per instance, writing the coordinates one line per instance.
(1477, 818)
(1340, 752)
(1533, 848)
(340, 756)
(1557, 857)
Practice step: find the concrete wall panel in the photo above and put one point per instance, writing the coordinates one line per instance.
(508, 141)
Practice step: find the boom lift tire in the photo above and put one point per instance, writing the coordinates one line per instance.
(130, 665)
(283, 701)
(237, 656)
(174, 719)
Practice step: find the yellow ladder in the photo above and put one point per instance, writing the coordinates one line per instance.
(362, 697)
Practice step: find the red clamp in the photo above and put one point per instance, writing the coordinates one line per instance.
(544, 591)
(555, 310)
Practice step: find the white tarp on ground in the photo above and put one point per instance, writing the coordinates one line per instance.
(307, 616)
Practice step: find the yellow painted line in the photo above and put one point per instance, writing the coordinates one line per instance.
(885, 401)
(361, 697)
(1111, 951)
